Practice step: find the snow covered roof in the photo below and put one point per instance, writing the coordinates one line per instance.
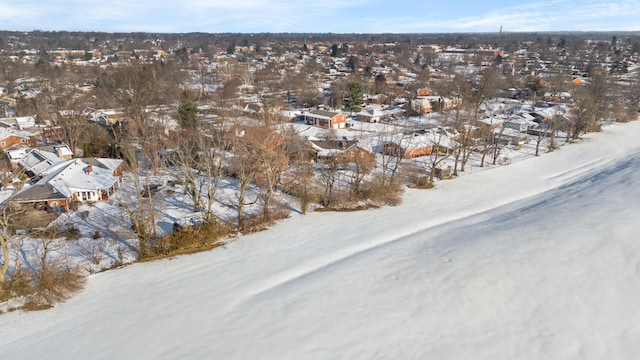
(74, 175)
(105, 163)
(433, 137)
(67, 177)
(547, 112)
(327, 148)
(25, 122)
(61, 150)
(17, 154)
(380, 112)
(527, 116)
(5, 133)
(521, 119)
(38, 161)
(321, 114)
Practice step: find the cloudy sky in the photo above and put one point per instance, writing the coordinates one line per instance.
(313, 16)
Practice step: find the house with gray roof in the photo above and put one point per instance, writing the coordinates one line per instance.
(326, 119)
(76, 180)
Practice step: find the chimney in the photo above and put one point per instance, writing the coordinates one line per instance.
(88, 169)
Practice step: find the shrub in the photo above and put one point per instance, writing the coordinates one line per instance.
(188, 238)
(71, 232)
(53, 284)
(42, 288)
(17, 285)
(390, 194)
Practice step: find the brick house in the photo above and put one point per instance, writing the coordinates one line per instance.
(9, 138)
(424, 92)
(326, 119)
(77, 180)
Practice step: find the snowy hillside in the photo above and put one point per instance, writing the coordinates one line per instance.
(536, 260)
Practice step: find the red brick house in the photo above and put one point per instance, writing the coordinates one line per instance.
(326, 119)
(10, 138)
(342, 150)
(424, 92)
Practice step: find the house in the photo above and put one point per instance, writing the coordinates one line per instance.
(424, 92)
(61, 150)
(108, 117)
(16, 153)
(252, 135)
(422, 105)
(326, 119)
(577, 81)
(25, 122)
(421, 143)
(517, 123)
(508, 136)
(52, 132)
(410, 146)
(374, 115)
(36, 161)
(69, 181)
(557, 96)
(342, 150)
(545, 114)
(10, 137)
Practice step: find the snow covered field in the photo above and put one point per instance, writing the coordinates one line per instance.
(536, 260)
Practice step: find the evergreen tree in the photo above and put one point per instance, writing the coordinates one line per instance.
(188, 116)
(355, 92)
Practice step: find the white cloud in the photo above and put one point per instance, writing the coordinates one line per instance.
(535, 16)
(316, 16)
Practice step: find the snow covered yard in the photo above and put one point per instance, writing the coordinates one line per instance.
(537, 259)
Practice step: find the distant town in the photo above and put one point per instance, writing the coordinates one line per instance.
(133, 146)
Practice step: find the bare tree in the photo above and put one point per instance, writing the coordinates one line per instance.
(73, 124)
(211, 171)
(360, 164)
(303, 184)
(390, 159)
(440, 150)
(136, 89)
(272, 162)
(243, 167)
(6, 222)
(190, 148)
(591, 104)
(329, 173)
(498, 143)
(300, 178)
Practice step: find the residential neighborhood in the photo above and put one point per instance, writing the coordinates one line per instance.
(158, 135)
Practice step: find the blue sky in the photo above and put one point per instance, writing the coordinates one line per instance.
(315, 16)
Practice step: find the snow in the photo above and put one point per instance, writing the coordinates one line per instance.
(535, 260)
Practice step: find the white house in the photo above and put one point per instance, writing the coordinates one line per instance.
(76, 180)
(25, 122)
